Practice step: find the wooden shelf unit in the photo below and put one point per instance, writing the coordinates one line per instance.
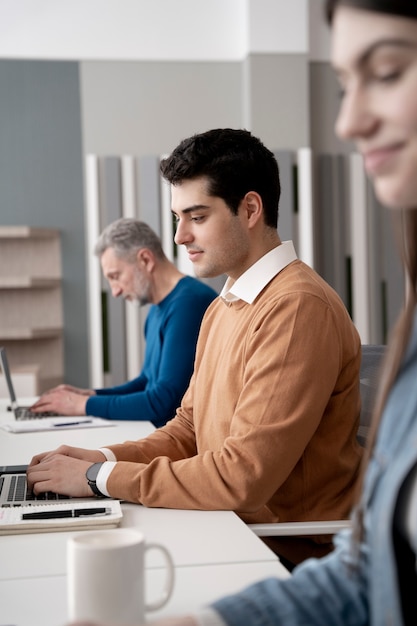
(31, 317)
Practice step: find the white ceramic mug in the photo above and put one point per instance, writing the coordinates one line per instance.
(105, 572)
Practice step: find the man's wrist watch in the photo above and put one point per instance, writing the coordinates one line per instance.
(91, 475)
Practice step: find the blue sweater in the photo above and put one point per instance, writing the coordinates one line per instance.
(171, 331)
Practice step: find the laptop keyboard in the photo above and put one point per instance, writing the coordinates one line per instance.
(18, 492)
(22, 413)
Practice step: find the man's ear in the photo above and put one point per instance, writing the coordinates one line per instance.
(254, 208)
(145, 259)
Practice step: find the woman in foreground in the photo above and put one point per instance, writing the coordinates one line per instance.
(371, 576)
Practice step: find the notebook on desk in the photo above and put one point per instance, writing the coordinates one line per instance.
(23, 512)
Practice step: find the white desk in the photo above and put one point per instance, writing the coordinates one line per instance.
(19, 448)
(214, 552)
(192, 537)
(42, 601)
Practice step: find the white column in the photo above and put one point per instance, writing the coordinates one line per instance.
(360, 248)
(93, 274)
(305, 206)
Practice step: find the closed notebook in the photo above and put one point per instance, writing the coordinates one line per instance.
(60, 516)
(55, 423)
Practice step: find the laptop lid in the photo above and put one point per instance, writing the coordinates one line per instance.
(20, 412)
(6, 373)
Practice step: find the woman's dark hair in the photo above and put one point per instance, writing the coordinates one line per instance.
(404, 8)
(234, 162)
(405, 226)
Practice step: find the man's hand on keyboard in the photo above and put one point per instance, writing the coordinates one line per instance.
(62, 400)
(62, 471)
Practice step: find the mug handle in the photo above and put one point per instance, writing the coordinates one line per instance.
(169, 581)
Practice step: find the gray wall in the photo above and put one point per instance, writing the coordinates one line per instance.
(41, 178)
(276, 99)
(324, 104)
(143, 108)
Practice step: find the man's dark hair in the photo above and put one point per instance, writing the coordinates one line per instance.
(234, 162)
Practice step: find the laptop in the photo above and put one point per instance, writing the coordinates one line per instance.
(14, 491)
(20, 412)
(22, 512)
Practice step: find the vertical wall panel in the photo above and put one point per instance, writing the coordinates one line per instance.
(375, 266)
(133, 322)
(110, 185)
(360, 238)
(167, 221)
(339, 236)
(324, 216)
(286, 226)
(331, 221)
(149, 191)
(394, 273)
(305, 206)
(129, 190)
(95, 334)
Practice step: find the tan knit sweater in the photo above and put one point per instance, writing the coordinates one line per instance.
(268, 425)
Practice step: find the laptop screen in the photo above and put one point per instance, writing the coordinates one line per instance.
(6, 373)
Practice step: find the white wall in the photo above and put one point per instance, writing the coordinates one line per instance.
(278, 26)
(198, 30)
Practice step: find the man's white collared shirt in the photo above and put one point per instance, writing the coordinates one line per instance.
(248, 286)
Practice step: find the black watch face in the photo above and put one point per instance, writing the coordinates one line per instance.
(93, 471)
(91, 475)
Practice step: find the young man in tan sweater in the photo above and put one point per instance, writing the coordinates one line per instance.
(267, 427)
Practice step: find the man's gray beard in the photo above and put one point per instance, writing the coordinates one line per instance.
(139, 303)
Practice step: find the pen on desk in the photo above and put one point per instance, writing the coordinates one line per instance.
(73, 423)
(66, 513)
